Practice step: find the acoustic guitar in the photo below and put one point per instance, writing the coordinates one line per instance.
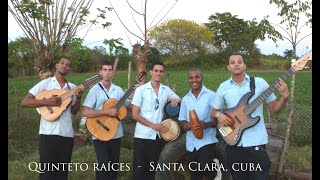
(105, 128)
(51, 113)
(241, 113)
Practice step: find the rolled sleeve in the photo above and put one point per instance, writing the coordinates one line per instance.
(137, 98)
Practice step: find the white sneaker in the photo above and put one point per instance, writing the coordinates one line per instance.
(219, 173)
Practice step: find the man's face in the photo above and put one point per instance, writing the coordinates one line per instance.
(157, 72)
(106, 72)
(64, 66)
(236, 65)
(195, 79)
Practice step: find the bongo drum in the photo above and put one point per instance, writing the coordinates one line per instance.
(171, 111)
(173, 130)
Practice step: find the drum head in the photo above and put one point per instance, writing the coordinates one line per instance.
(173, 132)
(172, 111)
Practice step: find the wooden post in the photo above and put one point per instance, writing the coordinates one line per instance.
(115, 65)
(168, 78)
(289, 127)
(129, 74)
(268, 120)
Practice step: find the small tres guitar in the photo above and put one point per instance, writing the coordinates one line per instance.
(51, 113)
(241, 113)
(105, 128)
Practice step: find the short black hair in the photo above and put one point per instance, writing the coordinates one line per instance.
(65, 57)
(156, 63)
(108, 63)
(235, 54)
(195, 69)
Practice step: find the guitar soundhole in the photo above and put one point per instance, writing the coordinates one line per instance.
(102, 125)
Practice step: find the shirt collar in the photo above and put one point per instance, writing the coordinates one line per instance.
(246, 78)
(148, 85)
(112, 87)
(53, 78)
(203, 90)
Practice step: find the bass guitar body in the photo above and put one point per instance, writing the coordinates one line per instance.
(105, 128)
(51, 113)
(241, 121)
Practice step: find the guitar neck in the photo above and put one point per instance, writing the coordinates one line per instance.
(68, 94)
(125, 96)
(254, 104)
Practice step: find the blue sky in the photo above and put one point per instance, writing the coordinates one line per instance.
(197, 11)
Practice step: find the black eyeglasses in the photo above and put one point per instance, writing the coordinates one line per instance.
(157, 104)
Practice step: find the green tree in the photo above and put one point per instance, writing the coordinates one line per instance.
(234, 34)
(115, 47)
(288, 53)
(20, 57)
(184, 40)
(291, 20)
(51, 25)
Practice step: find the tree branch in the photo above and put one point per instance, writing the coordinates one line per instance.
(163, 16)
(123, 23)
(133, 9)
(303, 38)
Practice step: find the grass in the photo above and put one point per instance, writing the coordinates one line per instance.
(299, 159)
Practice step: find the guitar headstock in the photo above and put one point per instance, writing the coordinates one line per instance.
(141, 76)
(92, 81)
(300, 63)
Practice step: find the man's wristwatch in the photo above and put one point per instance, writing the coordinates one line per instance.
(216, 115)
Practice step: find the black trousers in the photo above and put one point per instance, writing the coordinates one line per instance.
(107, 152)
(248, 163)
(145, 152)
(54, 151)
(199, 159)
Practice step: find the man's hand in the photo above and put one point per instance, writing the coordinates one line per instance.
(185, 125)
(224, 120)
(282, 88)
(174, 102)
(200, 125)
(53, 101)
(112, 112)
(160, 127)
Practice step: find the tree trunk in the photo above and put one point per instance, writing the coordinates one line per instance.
(43, 63)
(140, 57)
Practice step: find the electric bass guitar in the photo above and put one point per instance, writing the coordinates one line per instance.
(51, 113)
(241, 113)
(105, 127)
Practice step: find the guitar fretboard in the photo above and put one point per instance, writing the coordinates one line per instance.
(125, 96)
(86, 84)
(68, 94)
(255, 103)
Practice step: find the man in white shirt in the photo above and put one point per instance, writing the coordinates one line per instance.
(56, 137)
(148, 104)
